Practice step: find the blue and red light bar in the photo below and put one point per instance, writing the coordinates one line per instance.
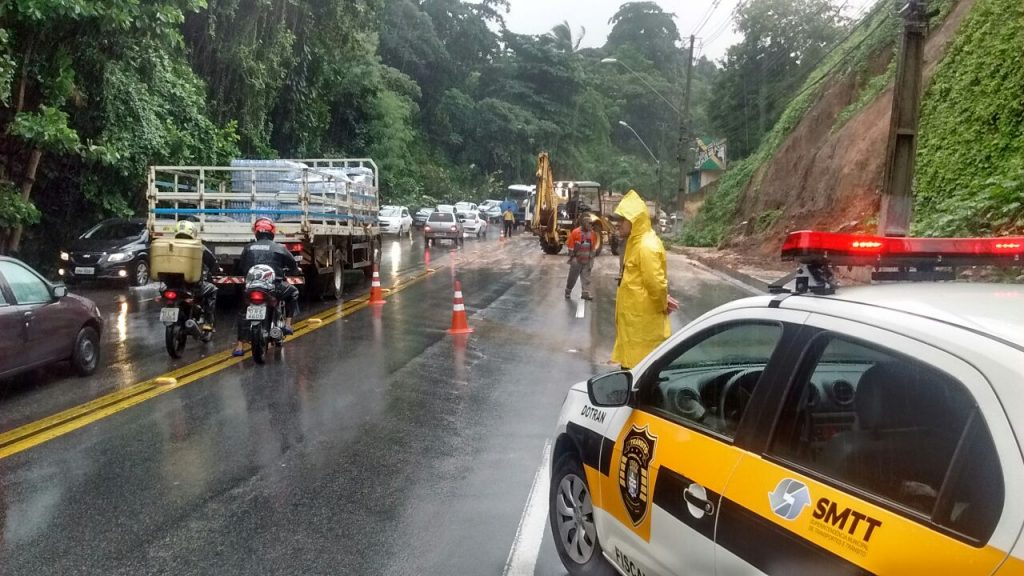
(858, 249)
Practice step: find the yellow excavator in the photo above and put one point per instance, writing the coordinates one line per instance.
(559, 205)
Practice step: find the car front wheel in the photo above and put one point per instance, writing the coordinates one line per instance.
(571, 513)
(140, 273)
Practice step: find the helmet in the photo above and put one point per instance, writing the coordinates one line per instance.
(264, 227)
(260, 276)
(185, 229)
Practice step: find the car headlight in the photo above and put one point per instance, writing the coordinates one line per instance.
(65, 256)
(119, 257)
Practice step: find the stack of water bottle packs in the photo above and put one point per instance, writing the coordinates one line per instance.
(328, 187)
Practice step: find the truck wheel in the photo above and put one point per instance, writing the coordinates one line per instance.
(375, 256)
(550, 248)
(571, 515)
(337, 277)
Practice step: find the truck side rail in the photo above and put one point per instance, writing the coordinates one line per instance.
(304, 201)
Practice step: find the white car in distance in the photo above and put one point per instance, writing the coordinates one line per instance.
(473, 223)
(465, 207)
(490, 210)
(395, 220)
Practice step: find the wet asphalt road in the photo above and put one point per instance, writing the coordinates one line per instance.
(377, 444)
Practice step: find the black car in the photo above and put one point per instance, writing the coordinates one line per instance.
(113, 249)
(419, 219)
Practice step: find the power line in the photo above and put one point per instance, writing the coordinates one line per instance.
(725, 25)
(707, 17)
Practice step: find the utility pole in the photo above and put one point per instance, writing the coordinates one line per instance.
(897, 184)
(684, 134)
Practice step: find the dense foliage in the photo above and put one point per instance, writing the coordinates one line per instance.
(970, 169)
(849, 55)
(782, 43)
(450, 103)
(91, 91)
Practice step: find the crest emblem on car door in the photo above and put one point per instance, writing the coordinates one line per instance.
(634, 472)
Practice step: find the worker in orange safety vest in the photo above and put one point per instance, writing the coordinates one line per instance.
(581, 243)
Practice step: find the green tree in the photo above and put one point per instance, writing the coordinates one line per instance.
(783, 41)
(64, 62)
(646, 28)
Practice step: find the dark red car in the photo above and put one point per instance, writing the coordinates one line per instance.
(40, 323)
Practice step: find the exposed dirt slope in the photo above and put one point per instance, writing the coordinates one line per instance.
(831, 180)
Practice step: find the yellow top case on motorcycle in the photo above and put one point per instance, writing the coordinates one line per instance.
(171, 258)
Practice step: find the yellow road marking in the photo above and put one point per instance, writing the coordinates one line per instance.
(35, 433)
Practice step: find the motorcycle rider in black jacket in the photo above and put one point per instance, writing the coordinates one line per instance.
(265, 251)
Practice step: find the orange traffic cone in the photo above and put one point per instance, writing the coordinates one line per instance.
(376, 294)
(459, 323)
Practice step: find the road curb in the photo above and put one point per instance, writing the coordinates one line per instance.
(716, 265)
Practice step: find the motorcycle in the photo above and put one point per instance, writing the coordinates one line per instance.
(182, 316)
(264, 313)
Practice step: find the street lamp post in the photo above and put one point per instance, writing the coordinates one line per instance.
(657, 163)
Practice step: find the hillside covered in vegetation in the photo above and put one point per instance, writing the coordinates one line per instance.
(821, 166)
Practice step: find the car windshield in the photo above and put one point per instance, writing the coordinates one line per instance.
(115, 230)
(390, 212)
(442, 217)
(467, 216)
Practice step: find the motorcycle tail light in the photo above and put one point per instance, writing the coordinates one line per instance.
(170, 295)
(257, 297)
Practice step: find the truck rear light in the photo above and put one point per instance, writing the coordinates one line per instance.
(295, 247)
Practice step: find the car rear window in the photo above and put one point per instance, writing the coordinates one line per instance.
(442, 217)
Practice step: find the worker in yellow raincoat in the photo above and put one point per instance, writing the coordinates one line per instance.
(642, 304)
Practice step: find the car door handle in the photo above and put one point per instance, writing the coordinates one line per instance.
(698, 502)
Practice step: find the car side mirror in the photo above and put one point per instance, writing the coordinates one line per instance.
(610, 390)
(60, 291)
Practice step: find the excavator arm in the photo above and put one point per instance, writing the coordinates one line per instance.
(545, 210)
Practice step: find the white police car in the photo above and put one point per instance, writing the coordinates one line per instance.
(863, 430)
